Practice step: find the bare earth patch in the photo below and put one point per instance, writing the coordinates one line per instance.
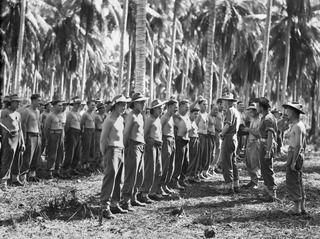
(69, 209)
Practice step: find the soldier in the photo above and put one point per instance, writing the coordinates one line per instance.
(168, 144)
(54, 133)
(218, 141)
(229, 145)
(43, 117)
(98, 121)
(12, 142)
(297, 144)
(72, 141)
(87, 129)
(268, 133)
(152, 157)
(32, 135)
(134, 149)
(211, 134)
(202, 122)
(253, 146)
(183, 125)
(194, 146)
(112, 148)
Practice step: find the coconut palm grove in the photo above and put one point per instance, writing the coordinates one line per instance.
(160, 119)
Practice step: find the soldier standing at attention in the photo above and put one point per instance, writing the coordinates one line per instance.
(229, 145)
(43, 117)
(297, 144)
(183, 125)
(268, 133)
(98, 121)
(253, 147)
(112, 149)
(87, 128)
(218, 141)
(12, 142)
(31, 130)
(73, 141)
(168, 144)
(152, 157)
(54, 133)
(134, 149)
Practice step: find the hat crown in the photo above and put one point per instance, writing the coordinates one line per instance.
(119, 98)
(137, 96)
(156, 102)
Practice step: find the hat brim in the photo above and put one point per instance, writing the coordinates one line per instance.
(228, 99)
(251, 108)
(140, 99)
(158, 105)
(16, 99)
(293, 107)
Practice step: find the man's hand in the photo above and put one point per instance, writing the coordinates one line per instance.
(293, 166)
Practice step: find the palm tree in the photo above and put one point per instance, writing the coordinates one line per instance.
(266, 49)
(140, 51)
(210, 50)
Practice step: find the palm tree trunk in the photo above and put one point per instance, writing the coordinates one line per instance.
(152, 69)
(173, 46)
(278, 90)
(264, 69)
(123, 30)
(140, 67)
(62, 84)
(209, 60)
(185, 74)
(84, 65)
(53, 71)
(20, 47)
(313, 104)
(287, 61)
(129, 66)
(4, 79)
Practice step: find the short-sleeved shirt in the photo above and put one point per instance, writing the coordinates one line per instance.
(268, 123)
(254, 125)
(233, 120)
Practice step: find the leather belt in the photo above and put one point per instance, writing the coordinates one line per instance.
(55, 131)
(32, 134)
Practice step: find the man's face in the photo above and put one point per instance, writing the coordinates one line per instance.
(76, 107)
(15, 105)
(184, 108)
(220, 106)
(194, 115)
(102, 110)
(173, 108)
(157, 111)
(139, 105)
(252, 113)
(215, 110)
(36, 102)
(120, 107)
(204, 106)
(58, 107)
(241, 107)
(259, 109)
(91, 106)
(290, 113)
(48, 107)
(108, 107)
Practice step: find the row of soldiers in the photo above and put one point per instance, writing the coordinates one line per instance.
(145, 156)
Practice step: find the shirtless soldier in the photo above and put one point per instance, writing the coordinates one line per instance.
(297, 145)
(31, 130)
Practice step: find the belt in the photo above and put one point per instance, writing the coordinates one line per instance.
(75, 130)
(193, 138)
(55, 131)
(167, 136)
(99, 130)
(32, 134)
(219, 130)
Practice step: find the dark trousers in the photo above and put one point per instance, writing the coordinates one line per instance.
(113, 176)
(267, 167)
(9, 150)
(88, 146)
(152, 168)
(98, 155)
(133, 169)
(182, 160)
(211, 152)
(31, 157)
(228, 161)
(73, 149)
(55, 151)
(194, 157)
(168, 159)
(294, 182)
(204, 151)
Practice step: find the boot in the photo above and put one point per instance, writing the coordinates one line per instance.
(167, 189)
(176, 185)
(16, 181)
(236, 186)
(3, 185)
(106, 213)
(296, 209)
(303, 207)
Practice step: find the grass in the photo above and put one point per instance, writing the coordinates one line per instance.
(69, 209)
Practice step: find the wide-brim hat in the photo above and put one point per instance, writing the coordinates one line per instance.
(120, 99)
(172, 101)
(157, 103)
(228, 97)
(252, 106)
(15, 97)
(275, 111)
(100, 105)
(195, 108)
(138, 97)
(294, 105)
(75, 100)
(56, 101)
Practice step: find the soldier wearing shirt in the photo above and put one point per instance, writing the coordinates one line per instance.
(12, 142)
(229, 145)
(43, 117)
(268, 133)
(98, 121)
(183, 125)
(72, 141)
(297, 145)
(53, 130)
(152, 157)
(88, 128)
(32, 134)
(168, 145)
(134, 150)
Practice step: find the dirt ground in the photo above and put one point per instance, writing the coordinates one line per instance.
(69, 209)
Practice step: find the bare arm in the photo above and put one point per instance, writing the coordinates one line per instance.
(104, 138)
(127, 129)
(47, 126)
